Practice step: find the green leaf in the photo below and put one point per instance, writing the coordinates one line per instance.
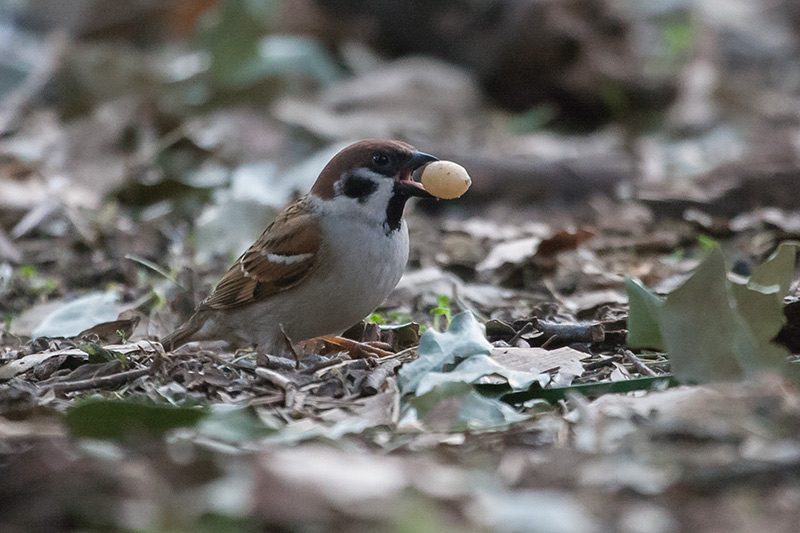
(98, 354)
(119, 420)
(715, 327)
(707, 243)
(232, 41)
(591, 390)
(440, 351)
(761, 308)
(233, 424)
(778, 268)
(705, 337)
(643, 328)
(438, 386)
(376, 318)
(27, 271)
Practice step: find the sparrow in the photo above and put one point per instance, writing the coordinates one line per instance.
(327, 261)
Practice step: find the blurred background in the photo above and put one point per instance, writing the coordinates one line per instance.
(144, 144)
(172, 131)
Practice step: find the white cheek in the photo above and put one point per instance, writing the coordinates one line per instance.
(372, 208)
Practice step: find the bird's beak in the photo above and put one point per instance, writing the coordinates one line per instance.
(406, 184)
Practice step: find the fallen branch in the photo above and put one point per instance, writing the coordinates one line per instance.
(571, 333)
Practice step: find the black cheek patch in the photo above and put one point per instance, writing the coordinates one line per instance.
(359, 188)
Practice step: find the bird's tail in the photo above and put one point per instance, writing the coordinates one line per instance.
(184, 333)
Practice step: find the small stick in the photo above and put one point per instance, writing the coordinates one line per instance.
(402, 354)
(324, 364)
(527, 328)
(276, 378)
(572, 333)
(288, 386)
(549, 341)
(101, 382)
(594, 365)
(638, 364)
(375, 380)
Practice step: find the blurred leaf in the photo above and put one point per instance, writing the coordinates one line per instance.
(707, 243)
(233, 424)
(293, 55)
(80, 314)
(533, 119)
(119, 420)
(548, 511)
(713, 327)
(678, 36)
(376, 318)
(227, 229)
(778, 268)
(643, 328)
(11, 77)
(243, 53)
(704, 336)
(439, 351)
(232, 39)
(760, 303)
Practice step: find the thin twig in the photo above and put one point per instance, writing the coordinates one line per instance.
(594, 365)
(527, 328)
(288, 386)
(276, 378)
(324, 364)
(100, 382)
(572, 333)
(375, 380)
(638, 364)
(549, 341)
(399, 355)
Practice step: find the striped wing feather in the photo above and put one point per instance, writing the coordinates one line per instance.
(281, 258)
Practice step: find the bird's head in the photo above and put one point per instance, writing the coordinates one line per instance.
(375, 177)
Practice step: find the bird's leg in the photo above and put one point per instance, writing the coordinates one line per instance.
(288, 342)
(358, 350)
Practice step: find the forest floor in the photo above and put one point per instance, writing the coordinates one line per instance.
(600, 336)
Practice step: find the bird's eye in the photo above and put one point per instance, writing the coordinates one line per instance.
(380, 160)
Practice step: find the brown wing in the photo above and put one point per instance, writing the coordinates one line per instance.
(280, 259)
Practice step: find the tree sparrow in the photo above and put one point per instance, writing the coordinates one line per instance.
(328, 260)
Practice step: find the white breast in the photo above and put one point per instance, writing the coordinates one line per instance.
(360, 264)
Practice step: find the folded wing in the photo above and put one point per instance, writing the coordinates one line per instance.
(281, 258)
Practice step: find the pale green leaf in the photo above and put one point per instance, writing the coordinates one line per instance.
(643, 328)
(440, 352)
